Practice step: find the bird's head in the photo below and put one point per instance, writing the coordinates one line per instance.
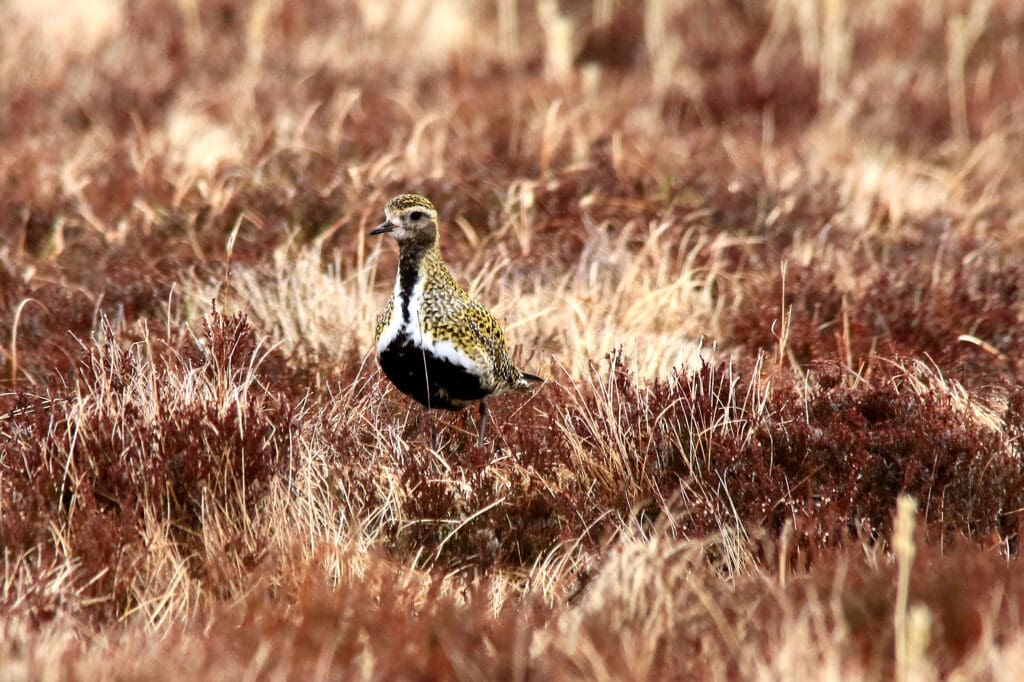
(411, 218)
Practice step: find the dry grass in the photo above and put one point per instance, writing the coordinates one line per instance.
(767, 254)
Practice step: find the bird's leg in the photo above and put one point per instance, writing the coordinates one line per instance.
(484, 411)
(432, 425)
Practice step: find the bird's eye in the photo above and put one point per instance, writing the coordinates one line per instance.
(416, 215)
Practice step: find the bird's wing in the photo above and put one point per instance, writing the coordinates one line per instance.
(383, 319)
(492, 340)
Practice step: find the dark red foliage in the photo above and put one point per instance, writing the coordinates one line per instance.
(140, 443)
(902, 311)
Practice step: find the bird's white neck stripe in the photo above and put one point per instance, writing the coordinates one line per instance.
(405, 312)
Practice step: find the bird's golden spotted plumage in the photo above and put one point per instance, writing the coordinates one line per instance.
(406, 201)
(434, 342)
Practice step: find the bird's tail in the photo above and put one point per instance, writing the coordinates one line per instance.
(526, 379)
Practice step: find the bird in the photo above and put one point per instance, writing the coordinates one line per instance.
(433, 341)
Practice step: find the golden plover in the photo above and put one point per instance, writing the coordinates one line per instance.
(434, 342)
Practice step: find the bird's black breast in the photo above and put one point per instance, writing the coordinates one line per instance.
(430, 380)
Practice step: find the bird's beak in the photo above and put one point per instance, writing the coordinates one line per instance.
(382, 228)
